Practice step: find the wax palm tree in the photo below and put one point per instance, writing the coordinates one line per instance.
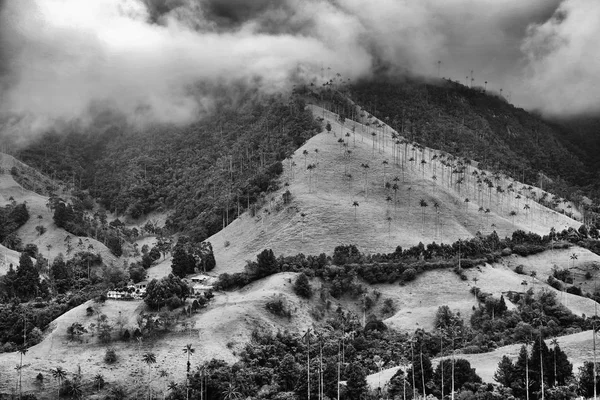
(395, 188)
(365, 168)
(554, 343)
(22, 352)
(99, 381)
(512, 214)
(388, 200)
(384, 163)
(467, 204)
(355, 205)
(188, 350)
(305, 153)
(373, 134)
(573, 258)
(231, 392)
(310, 169)
(423, 204)
(59, 374)
(149, 358)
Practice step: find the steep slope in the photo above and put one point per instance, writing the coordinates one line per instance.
(54, 240)
(326, 194)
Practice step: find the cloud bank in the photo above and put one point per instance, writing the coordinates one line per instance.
(153, 60)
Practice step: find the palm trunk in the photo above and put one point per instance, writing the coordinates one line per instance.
(422, 371)
(412, 349)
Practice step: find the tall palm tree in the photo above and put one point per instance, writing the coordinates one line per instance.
(513, 213)
(573, 258)
(149, 358)
(310, 169)
(188, 350)
(22, 352)
(59, 374)
(307, 335)
(423, 204)
(355, 205)
(305, 153)
(384, 163)
(554, 343)
(365, 168)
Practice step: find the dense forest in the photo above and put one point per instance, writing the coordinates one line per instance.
(205, 174)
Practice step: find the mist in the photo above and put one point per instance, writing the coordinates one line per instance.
(153, 60)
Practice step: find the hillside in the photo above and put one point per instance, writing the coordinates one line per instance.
(325, 195)
(334, 199)
(220, 332)
(54, 240)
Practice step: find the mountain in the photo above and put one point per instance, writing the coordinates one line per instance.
(368, 192)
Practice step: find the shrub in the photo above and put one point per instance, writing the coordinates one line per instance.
(588, 275)
(388, 307)
(110, 357)
(519, 269)
(555, 283)
(302, 286)
(574, 290)
(277, 307)
(409, 274)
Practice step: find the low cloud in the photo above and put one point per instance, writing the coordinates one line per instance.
(153, 60)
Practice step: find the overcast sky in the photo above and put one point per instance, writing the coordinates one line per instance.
(148, 58)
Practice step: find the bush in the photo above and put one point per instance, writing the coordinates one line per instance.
(110, 357)
(277, 307)
(555, 283)
(409, 274)
(302, 286)
(574, 290)
(388, 307)
(519, 269)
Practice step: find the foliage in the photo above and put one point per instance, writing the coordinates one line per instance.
(302, 286)
(159, 292)
(110, 356)
(202, 172)
(12, 217)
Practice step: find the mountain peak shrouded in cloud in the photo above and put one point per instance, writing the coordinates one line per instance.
(150, 59)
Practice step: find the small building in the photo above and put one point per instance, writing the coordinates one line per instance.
(200, 284)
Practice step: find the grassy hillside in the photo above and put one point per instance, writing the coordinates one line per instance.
(326, 194)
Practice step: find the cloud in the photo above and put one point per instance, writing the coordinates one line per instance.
(563, 60)
(159, 60)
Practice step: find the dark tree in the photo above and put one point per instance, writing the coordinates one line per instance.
(302, 286)
(356, 384)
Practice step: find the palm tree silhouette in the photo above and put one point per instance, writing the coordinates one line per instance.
(231, 392)
(59, 374)
(573, 258)
(384, 163)
(423, 204)
(513, 213)
(22, 352)
(188, 350)
(365, 168)
(305, 153)
(355, 205)
(149, 358)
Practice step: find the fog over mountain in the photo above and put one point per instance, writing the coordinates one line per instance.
(161, 60)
